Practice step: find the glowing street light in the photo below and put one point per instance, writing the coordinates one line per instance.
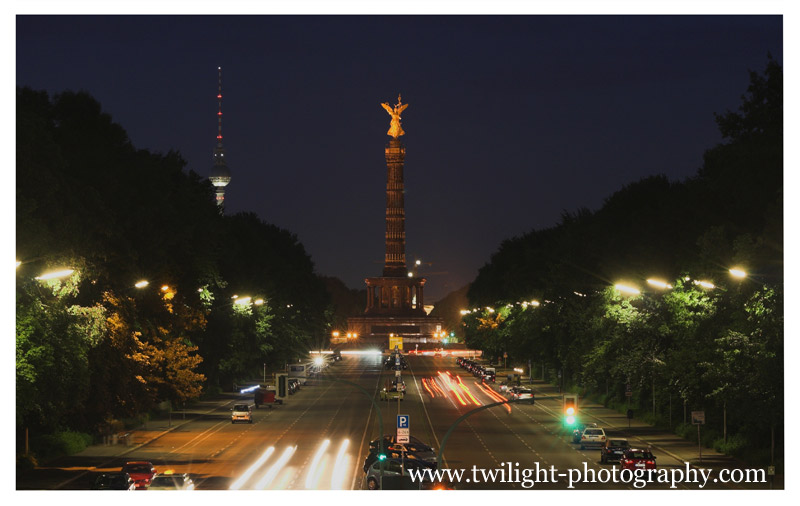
(410, 274)
(418, 262)
(335, 333)
(738, 273)
(659, 284)
(19, 263)
(242, 301)
(258, 302)
(55, 274)
(141, 284)
(165, 288)
(705, 284)
(627, 289)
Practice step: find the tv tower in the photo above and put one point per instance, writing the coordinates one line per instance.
(220, 174)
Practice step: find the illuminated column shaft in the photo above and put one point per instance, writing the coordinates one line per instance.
(395, 261)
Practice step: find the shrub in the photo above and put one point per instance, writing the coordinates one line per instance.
(735, 445)
(61, 443)
(686, 430)
(137, 421)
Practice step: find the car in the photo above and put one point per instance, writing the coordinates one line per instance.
(242, 413)
(392, 467)
(593, 436)
(171, 481)
(141, 471)
(114, 481)
(520, 393)
(390, 392)
(399, 384)
(635, 458)
(415, 450)
(293, 384)
(613, 449)
(489, 374)
(578, 431)
(372, 456)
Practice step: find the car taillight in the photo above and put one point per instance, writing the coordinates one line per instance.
(583, 437)
(650, 462)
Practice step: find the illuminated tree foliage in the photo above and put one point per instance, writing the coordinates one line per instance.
(93, 348)
(716, 349)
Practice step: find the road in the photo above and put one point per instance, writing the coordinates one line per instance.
(319, 438)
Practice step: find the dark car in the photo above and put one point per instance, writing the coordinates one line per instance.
(372, 456)
(114, 481)
(613, 450)
(392, 468)
(637, 459)
(415, 450)
(578, 431)
(142, 472)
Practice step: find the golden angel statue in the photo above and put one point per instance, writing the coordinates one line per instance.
(395, 130)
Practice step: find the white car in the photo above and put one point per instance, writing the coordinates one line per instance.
(593, 436)
(520, 393)
(170, 481)
(242, 413)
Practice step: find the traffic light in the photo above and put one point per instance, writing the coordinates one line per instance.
(381, 456)
(570, 410)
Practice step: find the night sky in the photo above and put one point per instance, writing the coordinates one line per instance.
(512, 120)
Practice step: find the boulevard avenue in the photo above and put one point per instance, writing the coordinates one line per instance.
(318, 439)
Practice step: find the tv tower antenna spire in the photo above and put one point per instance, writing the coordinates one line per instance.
(220, 174)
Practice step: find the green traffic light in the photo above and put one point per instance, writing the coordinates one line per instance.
(381, 457)
(570, 420)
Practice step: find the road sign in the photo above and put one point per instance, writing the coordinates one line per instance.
(403, 429)
(698, 417)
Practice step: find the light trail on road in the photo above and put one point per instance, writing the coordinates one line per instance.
(494, 395)
(252, 469)
(339, 467)
(449, 383)
(317, 457)
(273, 471)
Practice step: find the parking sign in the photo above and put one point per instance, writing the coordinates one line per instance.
(403, 428)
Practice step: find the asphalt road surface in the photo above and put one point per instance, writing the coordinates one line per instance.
(319, 437)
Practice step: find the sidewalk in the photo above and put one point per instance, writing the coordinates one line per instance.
(60, 472)
(157, 427)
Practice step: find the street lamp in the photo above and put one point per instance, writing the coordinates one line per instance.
(55, 274)
(141, 284)
(627, 289)
(659, 284)
(738, 273)
(705, 284)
